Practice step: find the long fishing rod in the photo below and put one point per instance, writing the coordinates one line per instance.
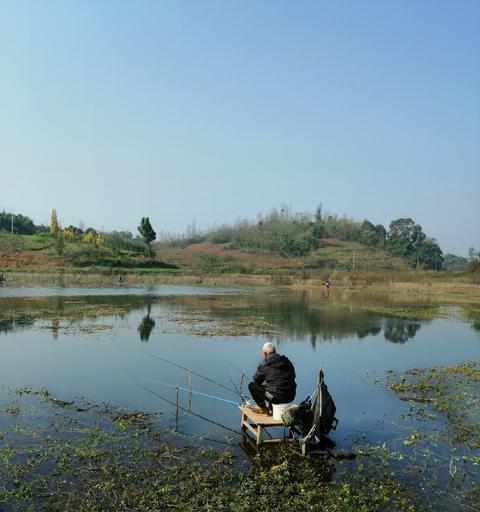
(238, 391)
(186, 410)
(191, 371)
(242, 377)
(206, 395)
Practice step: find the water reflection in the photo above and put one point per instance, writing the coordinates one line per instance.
(146, 325)
(301, 316)
(399, 331)
(11, 323)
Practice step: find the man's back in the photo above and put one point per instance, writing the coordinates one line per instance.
(278, 374)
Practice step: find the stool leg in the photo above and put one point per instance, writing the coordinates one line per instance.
(259, 435)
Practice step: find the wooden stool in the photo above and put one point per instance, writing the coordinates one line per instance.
(257, 424)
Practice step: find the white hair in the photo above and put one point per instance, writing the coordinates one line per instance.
(269, 348)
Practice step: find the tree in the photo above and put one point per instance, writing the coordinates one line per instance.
(473, 255)
(454, 262)
(54, 223)
(60, 244)
(429, 254)
(404, 239)
(147, 233)
(318, 214)
(372, 236)
(381, 236)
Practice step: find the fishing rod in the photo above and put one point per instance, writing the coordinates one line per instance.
(242, 377)
(238, 391)
(191, 391)
(190, 371)
(186, 410)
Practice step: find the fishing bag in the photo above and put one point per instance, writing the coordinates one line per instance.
(326, 407)
(314, 417)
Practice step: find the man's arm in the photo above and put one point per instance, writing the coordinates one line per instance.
(259, 376)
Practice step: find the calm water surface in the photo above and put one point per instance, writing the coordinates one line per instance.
(48, 339)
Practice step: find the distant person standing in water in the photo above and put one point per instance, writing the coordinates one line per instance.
(274, 381)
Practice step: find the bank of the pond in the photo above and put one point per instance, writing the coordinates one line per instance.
(438, 286)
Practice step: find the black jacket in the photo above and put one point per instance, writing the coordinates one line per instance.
(278, 375)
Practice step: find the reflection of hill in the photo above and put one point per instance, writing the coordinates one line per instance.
(20, 312)
(299, 315)
(399, 331)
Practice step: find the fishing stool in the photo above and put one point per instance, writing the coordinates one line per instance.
(257, 424)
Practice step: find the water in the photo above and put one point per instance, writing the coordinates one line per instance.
(55, 338)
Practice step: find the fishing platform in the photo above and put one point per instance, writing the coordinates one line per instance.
(257, 425)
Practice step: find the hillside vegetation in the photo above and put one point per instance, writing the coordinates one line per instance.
(323, 240)
(281, 242)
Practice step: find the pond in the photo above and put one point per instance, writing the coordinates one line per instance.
(131, 347)
(99, 343)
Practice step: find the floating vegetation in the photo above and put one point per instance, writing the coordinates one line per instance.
(61, 455)
(198, 323)
(453, 391)
(410, 312)
(109, 460)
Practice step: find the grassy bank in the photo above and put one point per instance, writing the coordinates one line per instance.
(440, 286)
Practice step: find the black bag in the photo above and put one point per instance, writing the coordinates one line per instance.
(325, 406)
(314, 417)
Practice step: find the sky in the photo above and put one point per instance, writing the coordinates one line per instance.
(210, 111)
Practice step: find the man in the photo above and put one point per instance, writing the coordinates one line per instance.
(274, 381)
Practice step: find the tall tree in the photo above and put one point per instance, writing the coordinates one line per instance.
(429, 254)
(147, 233)
(404, 239)
(54, 223)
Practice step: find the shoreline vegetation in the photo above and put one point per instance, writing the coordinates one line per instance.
(452, 287)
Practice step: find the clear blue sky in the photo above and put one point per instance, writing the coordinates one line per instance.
(182, 110)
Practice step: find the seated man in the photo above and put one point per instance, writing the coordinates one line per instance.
(274, 381)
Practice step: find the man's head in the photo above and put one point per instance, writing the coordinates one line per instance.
(268, 348)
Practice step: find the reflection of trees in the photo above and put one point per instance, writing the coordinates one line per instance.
(473, 315)
(301, 316)
(12, 323)
(146, 325)
(22, 312)
(398, 330)
(295, 315)
(55, 324)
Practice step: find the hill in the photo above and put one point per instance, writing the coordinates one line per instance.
(331, 254)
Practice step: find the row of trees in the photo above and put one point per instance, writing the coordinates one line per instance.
(21, 224)
(299, 234)
(281, 231)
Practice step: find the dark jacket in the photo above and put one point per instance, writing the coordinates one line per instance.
(278, 375)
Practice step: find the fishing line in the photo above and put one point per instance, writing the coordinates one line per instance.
(191, 371)
(200, 393)
(186, 410)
